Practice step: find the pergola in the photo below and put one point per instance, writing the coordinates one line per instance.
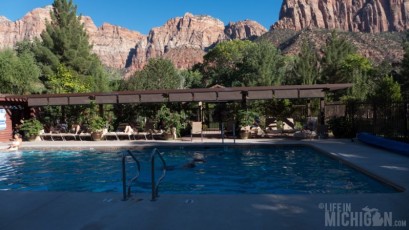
(215, 94)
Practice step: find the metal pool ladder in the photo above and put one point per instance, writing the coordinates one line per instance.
(155, 185)
(126, 190)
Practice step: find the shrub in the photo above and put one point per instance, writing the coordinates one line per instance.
(342, 127)
(31, 127)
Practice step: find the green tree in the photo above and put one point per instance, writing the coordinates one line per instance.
(387, 91)
(65, 42)
(191, 79)
(65, 82)
(305, 69)
(404, 78)
(262, 65)
(335, 52)
(220, 65)
(159, 73)
(19, 73)
(356, 69)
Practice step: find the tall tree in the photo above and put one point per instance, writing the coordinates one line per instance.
(356, 69)
(243, 63)
(335, 52)
(191, 79)
(159, 73)
(220, 65)
(19, 73)
(262, 65)
(65, 42)
(306, 65)
(387, 91)
(404, 76)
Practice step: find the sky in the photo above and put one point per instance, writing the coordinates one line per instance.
(141, 16)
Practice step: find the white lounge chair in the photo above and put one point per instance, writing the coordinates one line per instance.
(196, 129)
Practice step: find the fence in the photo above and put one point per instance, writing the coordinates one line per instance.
(390, 120)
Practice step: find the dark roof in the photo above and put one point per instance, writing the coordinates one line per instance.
(185, 95)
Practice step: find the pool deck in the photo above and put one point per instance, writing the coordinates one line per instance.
(69, 210)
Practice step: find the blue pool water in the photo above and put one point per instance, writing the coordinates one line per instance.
(251, 170)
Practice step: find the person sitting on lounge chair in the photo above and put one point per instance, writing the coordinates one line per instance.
(16, 142)
(256, 129)
(128, 129)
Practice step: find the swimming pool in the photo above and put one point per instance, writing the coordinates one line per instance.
(227, 170)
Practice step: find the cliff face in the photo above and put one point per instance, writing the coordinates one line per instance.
(111, 43)
(183, 40)
(378, 47)
(28, 27)
(350, 15)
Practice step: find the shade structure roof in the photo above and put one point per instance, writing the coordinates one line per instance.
(216, 94)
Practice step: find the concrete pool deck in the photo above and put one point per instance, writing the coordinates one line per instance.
(69, 210)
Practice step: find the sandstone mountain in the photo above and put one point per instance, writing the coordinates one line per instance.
(349, 15)
(184, 40)
(378, 47)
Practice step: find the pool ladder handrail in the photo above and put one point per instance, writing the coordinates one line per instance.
(155, 186)
(126, 189)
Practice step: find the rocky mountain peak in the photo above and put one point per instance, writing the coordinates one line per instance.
(244, 29)
(349, 15)
(193, 34)
(184, 40)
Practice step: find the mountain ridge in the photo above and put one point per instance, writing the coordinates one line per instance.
(185, 40)
(121, 48)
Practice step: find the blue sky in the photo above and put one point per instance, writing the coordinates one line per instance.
(144, 15)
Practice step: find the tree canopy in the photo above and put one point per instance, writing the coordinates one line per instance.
(64, 42)
(242, 63)
(157, 74)
(19, 73)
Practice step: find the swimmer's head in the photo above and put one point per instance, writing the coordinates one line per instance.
(198, 157)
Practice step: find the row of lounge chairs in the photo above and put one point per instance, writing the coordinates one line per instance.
(288, 128)
(124, 132)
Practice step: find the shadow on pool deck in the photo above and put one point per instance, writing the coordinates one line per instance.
(66, 210)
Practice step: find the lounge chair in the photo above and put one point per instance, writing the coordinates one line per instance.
(84, 136)
(57, 135)
(108, 135)
(230, 127)
(50, 136)
(140, 134)
(150, 129)
(196, 129)
(288, 125)
(64, 136)
(272, 127)
(212, 129)
(124, 130)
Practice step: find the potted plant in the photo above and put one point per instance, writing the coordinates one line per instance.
(32, 128)
(171, 122)
(96, 125)
(246, 120)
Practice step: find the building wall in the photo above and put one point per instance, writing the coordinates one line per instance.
(7, 134)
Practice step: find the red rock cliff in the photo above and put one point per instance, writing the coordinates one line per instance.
(349, 15)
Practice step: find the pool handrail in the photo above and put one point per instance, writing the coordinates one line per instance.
(126, 189)
(155, 186)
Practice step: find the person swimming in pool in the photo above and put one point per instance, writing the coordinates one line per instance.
(16, 142)
(197, 157)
